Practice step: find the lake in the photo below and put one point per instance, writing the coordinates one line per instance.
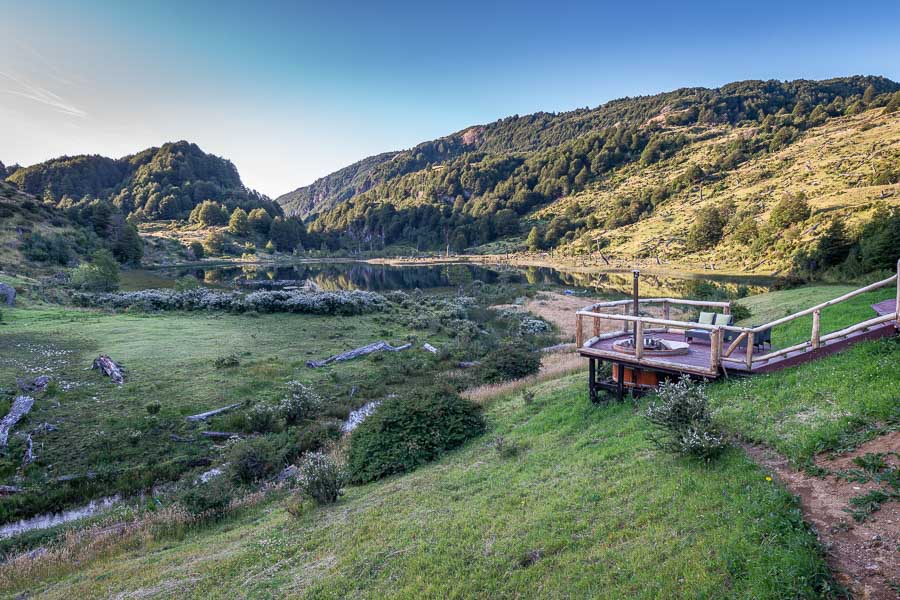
(351, 275)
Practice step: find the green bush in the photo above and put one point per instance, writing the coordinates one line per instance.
(100, 275)
(321, 478)
(510, 361)
(209, 499)
(261, 418)
(410, 430)
(301, 403)
(254, 459)
(682, 420)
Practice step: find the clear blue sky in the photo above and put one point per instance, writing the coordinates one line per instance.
(291, 91)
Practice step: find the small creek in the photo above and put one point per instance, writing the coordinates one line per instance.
(45, 521)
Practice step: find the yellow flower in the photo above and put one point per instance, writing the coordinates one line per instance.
(768, 478)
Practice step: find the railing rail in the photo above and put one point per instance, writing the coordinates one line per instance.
(746, 335)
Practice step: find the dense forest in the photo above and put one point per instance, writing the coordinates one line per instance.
(157, 183)
(475, 186)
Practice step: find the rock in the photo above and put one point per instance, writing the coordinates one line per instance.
(8, 294)
(39, 384)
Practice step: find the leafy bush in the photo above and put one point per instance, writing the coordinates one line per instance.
(510, 361)
(410, 430)
(261, 418)
(300, 404)
(740, 311)
(321, 478)
(254, 459)
(209, 499)
(100, 275)
(153, 408)
(314, 437)
(683, 421)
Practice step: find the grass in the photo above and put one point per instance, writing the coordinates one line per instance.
(105, 435)
(586, 508)
(828, 404)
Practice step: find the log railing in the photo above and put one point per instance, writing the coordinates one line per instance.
(719, 353)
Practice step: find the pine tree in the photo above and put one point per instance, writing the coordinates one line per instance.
(239, 224)
(869, 95)
(534, 241)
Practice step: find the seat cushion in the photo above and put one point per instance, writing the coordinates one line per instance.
(722, 319)
(706, 318)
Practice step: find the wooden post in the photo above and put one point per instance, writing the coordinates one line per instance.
(715, 349)
(579, 331)
(814, 338)
(625, 323)
(666, 310)
(749, 356)
(638, 339)
(596, 326)
(726, 310)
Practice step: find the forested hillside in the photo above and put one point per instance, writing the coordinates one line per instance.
(502, 180)
(157, 183)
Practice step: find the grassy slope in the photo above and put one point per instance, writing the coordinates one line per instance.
(610, 516)
(830, 164)
(817, 407)
(606, 515)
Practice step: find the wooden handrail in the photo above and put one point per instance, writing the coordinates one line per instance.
(651, 320)
(686, 302)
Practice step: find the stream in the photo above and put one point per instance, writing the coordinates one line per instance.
(45, 521)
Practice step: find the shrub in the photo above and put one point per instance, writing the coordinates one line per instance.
(321, 478)
(410, 430)
(314, 437)
(510, 361)
(197, 248)
(153, 408)
(790, 210)
(682, 420)
(260, 418)
(300, 404)
(740, 311)
(254, 459)
(100, 275)
(209, 499)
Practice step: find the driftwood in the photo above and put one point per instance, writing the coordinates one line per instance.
(29, 453)
(10, 489)
(211, 413)
(20, 407)
(8, 294)
(351, 354)
(468, 364)
(110, 368)
(430, 348)
(220, 435)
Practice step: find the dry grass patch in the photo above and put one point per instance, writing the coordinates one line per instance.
(553, 365)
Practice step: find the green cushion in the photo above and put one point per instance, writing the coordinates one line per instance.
(706, 318)
(722, 319)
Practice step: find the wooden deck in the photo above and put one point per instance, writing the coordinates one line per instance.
(697, 361)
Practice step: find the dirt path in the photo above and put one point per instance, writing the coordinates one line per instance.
(864, 556)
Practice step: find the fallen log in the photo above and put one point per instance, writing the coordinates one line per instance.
(10, 489)
(468, 364)
(430, 348)
(38, 384)
(220, 435)
(20, 407)
(363, 351)
(29, 453)
(211, 413)
(110, 368)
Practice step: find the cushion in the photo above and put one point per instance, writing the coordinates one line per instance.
(706, 318)
(723, 319)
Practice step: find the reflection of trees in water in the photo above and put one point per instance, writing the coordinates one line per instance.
(362, 276)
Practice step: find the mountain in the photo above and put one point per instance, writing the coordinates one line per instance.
(731, 103)
(579, 179)
(157, 183)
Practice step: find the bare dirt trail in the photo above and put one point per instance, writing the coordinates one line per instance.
(864, 556)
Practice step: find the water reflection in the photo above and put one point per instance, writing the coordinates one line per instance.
(364, 276)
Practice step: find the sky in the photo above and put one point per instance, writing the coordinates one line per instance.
(291, 91)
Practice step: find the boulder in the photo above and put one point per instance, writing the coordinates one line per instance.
(7, 294)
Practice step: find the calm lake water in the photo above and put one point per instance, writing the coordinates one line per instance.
(364, 276)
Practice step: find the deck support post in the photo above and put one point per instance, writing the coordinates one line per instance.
(579, 331)
(666, 310)
(715, 349)
(897, 305)
(592, 379)
(816, 328)
(596, 326)
(620, 389)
